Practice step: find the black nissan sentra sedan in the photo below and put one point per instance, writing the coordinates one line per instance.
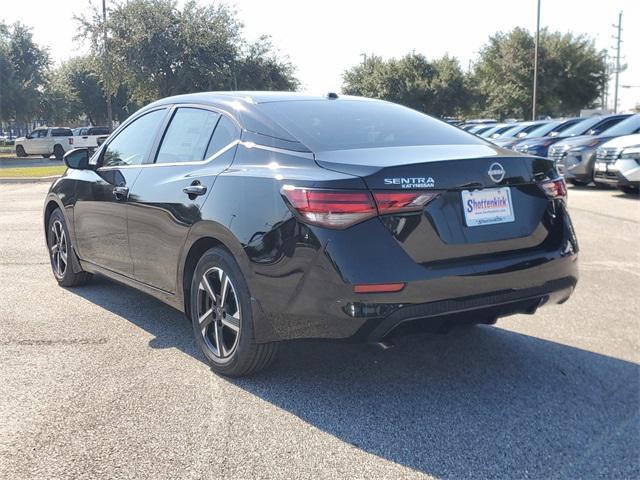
(273, 216)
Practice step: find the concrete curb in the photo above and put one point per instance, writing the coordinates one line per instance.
(28, 179)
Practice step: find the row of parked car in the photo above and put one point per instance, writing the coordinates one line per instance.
(55, 141)
(604, 149)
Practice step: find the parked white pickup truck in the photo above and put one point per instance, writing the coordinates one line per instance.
(90, 137)
(46, 142)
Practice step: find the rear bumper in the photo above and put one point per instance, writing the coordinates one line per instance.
(322, 303)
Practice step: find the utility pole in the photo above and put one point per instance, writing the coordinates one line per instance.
(618, 39)
(605, 81)
(107, 66)
(364, 59)
(535, 66)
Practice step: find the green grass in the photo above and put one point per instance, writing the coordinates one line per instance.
(32, 171)
(11, 150)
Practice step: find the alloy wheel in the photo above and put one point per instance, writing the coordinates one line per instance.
(59, 250)
(218, 313)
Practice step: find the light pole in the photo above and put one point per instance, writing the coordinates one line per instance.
(107, 66)
(618, 39)
(535, 65)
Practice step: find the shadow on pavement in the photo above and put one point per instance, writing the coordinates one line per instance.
(481, 402)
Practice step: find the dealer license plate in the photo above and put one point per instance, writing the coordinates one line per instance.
(487, 206)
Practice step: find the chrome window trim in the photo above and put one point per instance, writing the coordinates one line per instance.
(209, 159)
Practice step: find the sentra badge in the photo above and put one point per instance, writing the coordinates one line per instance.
(411, 182)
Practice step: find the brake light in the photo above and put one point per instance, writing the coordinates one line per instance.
(71, 141)
(331, 208)
(556, 189)
(343, 208)
(390, 202)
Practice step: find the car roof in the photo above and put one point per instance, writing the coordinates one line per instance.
(243, 105)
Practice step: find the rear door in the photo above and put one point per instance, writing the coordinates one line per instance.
(100, 210)
(165, 201)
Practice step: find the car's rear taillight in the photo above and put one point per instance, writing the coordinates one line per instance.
(331, 208)
(71, 141)
(343, 208)
(391, 202)
(556, 189)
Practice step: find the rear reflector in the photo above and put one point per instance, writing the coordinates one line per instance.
(555, 188)
(378, 288)
(343, 208)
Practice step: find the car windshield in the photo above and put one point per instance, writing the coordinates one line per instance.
(513, 131)
(625, 127)
(582, 126)
(325, 125)
(545, 129)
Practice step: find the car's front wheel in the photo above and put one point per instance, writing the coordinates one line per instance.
(222, 317)
(59, 245)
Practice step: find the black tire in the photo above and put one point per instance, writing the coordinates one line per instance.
(60, 251)
(58, 151)
(20, 151)
(630, 190)
(244, 356)
(46, 155)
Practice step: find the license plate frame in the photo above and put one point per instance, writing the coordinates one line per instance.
(487, 206)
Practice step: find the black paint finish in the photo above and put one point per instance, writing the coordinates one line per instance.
(136, 225)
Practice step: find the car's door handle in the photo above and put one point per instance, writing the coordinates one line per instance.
(120, 192)
(195, 189)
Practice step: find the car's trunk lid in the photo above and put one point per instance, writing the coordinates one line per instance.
(443, 231)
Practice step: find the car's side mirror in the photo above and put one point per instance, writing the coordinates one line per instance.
(78, 158)
(28, 137)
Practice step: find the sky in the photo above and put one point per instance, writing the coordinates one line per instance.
(324, 38)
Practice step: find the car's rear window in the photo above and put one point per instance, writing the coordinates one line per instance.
(325, 125)
(61, 132)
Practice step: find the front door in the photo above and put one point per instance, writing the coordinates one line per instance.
(165, 201)
(100, 208)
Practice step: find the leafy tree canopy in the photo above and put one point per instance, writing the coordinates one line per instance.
(157, 49)
(436, 87)
(570, 73)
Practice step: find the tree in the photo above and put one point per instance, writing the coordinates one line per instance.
(436, 87)
(158, 50)
(23, 67)
(570, 74)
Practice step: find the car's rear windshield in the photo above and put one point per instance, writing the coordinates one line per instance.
(61, 132)
(325, 125)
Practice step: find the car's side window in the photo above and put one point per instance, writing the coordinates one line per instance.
(187, 136)
(226, 132)
(132, 144)
(38, 134)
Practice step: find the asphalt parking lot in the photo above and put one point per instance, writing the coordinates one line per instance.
(102, 381)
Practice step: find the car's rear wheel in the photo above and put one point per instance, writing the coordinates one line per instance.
(20, 151)
(58, 151)
(46, 155)
(222, 317)
(60, 253)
